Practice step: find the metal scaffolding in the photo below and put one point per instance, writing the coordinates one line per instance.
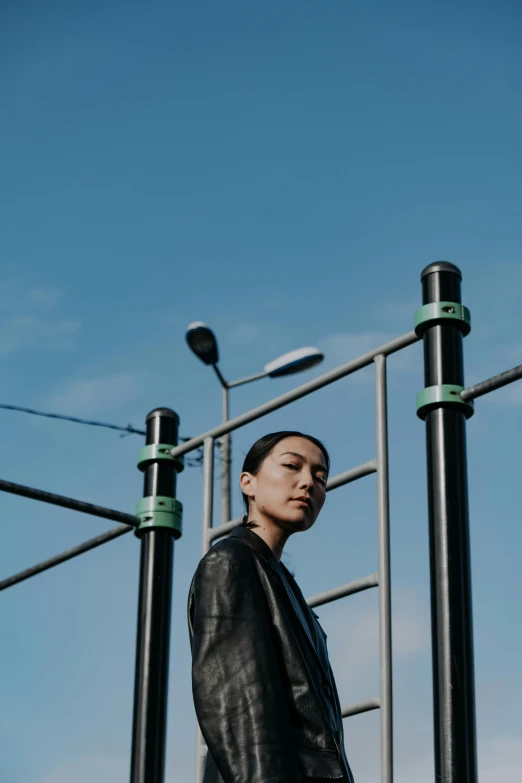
(445, 405)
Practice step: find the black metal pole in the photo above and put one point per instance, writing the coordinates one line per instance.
(451, 606)
(154, 609)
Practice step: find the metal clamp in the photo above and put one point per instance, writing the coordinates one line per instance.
(158, 451)
(437, 396)
(158, 511)
(437, 313)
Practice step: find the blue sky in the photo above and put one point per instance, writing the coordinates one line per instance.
(282, 171)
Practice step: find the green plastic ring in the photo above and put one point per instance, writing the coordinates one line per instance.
(441, 396)
(157, 451)
(437, 313)
(158, 511)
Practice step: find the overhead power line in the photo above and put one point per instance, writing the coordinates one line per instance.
(128, 430)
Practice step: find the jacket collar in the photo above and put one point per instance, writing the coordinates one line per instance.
(257, 543)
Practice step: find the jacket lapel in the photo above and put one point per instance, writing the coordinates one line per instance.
(300, 612)
(262, 548)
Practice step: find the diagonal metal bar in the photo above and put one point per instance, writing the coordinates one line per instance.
(67, 555)
(361, 706)
(301, 391)
(75, 505)
(336, 481)
(248, 379)
(372, 580)
(351, 475)
(491, 384)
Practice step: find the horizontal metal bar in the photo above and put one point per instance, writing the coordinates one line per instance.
(491, 384)
(301, 391)
(361, 706)
(372, 580)
(222, 530)
(67, 555)
(75, 505)
(352, 475)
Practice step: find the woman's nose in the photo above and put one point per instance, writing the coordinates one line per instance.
(306, 479)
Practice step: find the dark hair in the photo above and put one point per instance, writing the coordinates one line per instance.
(260, 451)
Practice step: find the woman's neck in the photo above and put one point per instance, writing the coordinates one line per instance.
(271, 535)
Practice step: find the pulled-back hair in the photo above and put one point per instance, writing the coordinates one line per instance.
(260, 451)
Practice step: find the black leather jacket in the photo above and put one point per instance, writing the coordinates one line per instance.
(264, 691)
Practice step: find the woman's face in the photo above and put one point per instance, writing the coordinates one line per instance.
(289, 488)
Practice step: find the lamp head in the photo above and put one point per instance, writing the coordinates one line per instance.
(202, 341)
(294, 361)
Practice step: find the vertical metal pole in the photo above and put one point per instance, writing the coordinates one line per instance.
(208, 490)
(208, 501)
(451, 609)
(385, 636)
(154, 609)
(226, 441)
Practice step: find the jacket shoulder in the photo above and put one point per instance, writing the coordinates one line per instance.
(226, 565)
(229, 548)
(229, 554)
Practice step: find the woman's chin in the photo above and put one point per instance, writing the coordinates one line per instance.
(298, 519)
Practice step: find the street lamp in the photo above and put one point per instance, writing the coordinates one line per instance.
(202, 341)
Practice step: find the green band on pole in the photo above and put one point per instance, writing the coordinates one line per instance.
(158, 451)
(441, 396)
(159, 512)
(438, 313)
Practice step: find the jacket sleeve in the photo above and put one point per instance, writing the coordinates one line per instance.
(241, 697)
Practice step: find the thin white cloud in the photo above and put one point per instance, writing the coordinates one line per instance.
(245, 333)
(45, 296)
(28, 318)
(354, 645)
(18, 331)
(508, 396)
(15, 296)
(399, 314)
(102, 769)
(499, 761)
(9, 295)
(271, 303)
(88, 396)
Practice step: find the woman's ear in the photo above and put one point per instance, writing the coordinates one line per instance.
(247, 482)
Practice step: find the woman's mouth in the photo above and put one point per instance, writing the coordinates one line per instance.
(303, 502)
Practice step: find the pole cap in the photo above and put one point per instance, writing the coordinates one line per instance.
(440, 266)
(164, 413)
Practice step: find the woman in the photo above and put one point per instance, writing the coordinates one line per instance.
(264, 692)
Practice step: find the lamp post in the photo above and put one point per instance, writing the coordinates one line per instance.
(202, 341)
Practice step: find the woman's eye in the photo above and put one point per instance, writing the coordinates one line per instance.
(321, 479)
(290, 465)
